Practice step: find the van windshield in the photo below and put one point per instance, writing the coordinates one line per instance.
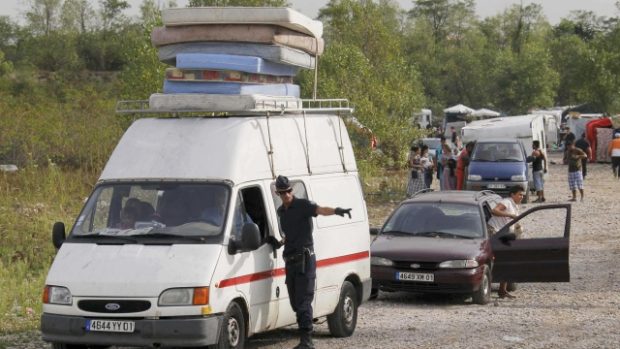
(154, 210)
(498, 152)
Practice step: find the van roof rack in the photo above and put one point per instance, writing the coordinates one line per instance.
(268, 106)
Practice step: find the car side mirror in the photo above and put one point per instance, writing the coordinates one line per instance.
(250, 239)
(374, 231)
(58, 234)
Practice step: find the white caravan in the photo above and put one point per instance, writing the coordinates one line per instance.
(526, 128)
(171, 249)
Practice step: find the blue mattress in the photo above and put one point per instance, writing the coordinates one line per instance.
(246, 64)
(273, 53)
(231, 88)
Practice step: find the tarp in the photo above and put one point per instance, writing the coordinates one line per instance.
(459, 109)
(483, 112)
(590, 132)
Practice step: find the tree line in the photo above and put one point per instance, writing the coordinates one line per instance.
(389, 62)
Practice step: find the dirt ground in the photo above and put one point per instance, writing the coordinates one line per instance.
(584, 313)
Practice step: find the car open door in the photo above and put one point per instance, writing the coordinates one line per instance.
(535, 257)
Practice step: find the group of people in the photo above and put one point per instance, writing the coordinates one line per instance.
(449, 164)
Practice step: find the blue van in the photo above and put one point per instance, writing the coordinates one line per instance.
(498, 165)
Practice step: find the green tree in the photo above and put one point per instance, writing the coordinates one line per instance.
(77, 16)
(43, 16)
(112, 12)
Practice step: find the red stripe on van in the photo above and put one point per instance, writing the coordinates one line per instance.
(243, 279)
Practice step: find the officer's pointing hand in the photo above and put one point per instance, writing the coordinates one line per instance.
(342, 211)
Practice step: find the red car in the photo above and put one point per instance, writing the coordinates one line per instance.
(438, 242)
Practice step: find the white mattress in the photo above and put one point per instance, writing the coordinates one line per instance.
(282, 16)
(223, 103)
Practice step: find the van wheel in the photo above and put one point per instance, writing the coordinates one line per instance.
(483, 295)
(343, 321)
(232, 334)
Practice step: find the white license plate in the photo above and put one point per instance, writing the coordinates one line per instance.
(422, 277)
(110, 326)
(496, 186)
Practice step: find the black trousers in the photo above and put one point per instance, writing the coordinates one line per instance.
(300, 284)
(615, 165)
(584, 167)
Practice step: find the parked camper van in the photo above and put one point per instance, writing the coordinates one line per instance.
(171, 248)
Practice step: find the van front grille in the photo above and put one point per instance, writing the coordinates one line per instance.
(112, 306)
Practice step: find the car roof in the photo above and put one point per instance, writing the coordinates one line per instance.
(454, 196)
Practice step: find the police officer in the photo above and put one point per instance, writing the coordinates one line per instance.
(296, 223)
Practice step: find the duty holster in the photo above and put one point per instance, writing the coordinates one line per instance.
(298, 260)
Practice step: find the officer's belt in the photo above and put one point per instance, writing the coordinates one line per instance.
(299, 256)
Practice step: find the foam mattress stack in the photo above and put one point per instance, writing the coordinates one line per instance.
(234, 58)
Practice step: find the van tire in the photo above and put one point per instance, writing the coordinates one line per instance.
(344, 319)
(483, 295)
(232, 334)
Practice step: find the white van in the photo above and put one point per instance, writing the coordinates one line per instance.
(171, 247)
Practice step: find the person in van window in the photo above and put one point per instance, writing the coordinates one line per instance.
(129, 215)
(538, 171)
(416, 179)
(295, 216)
(504, 212)
(583, 144)
(575, 178)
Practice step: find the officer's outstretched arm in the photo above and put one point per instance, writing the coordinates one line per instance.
(328, 211)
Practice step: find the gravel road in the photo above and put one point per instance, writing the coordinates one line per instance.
(584, 313)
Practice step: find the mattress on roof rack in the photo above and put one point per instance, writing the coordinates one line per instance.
(246, 64)
(281, 16)
(273, 53)
(253, 33)
(230, 88)
(230, 103)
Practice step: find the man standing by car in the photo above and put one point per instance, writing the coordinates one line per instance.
(461, 165)
(296, 223)
(575, 178)
(583, 144)
(538, 171)
(504, 212)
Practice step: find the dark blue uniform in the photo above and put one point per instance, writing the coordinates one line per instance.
(296, 223)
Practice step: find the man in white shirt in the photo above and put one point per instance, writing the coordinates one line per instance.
(503, 213)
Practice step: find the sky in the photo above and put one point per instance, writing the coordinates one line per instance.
(553, 9)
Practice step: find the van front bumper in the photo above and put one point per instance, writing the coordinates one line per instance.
(177, 332)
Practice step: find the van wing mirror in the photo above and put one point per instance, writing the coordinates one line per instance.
(58, 234)
(250, 239)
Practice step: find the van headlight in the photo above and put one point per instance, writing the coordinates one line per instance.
(474, 177)
(57, 295)
(517, 178)
(459, 264)
(184, 296)
(384, 262)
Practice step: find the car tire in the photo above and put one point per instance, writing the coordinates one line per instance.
(511, 287)
(343, 320)
(232, 334)
(483, 294)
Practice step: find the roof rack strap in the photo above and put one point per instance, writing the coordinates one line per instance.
(270, 151)
(307, 145)
(340, 146)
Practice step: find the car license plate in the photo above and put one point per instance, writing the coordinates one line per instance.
(496, 186)
(422, 277)
(110, 326)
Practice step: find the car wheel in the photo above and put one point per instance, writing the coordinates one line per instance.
(232, 334)
(483, 295)
(343, 321)
(374, 293)
(512, 286)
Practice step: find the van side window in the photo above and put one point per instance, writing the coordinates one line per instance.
(253, 209)
(240, 217)
(299, 190)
